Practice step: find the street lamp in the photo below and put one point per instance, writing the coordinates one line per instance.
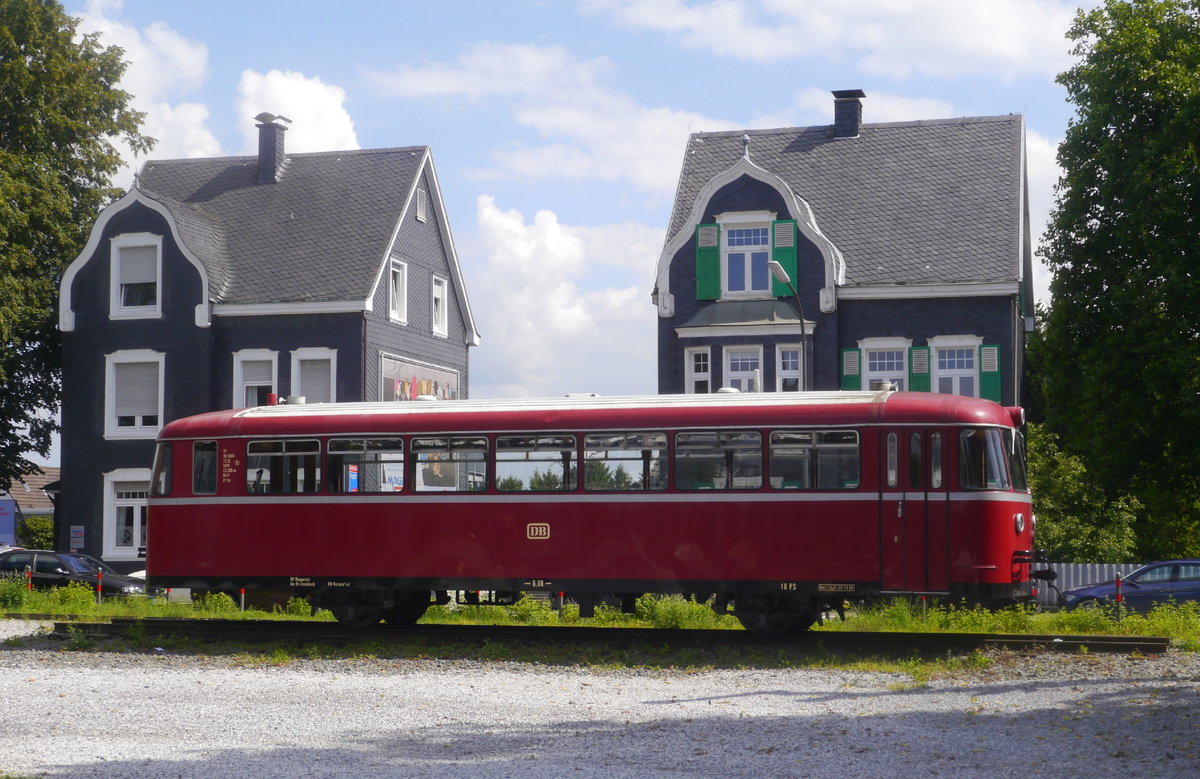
(782, 277)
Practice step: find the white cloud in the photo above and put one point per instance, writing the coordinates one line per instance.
(544, 331)
(162, 65)
(894, 38)
(814, 106)
(1044, 173)
(320, 121)
(591, 131)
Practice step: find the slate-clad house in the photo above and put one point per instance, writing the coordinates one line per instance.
(908, 244)
(217, 283)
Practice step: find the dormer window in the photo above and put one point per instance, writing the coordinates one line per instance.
(732, 255)
(136, 268)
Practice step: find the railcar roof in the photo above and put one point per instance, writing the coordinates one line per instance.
(630, 411)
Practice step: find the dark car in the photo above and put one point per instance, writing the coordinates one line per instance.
(1141, 590)
(55, 569)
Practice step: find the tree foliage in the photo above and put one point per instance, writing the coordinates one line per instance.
(1076, 521)
(60, 111)
(1122, 341)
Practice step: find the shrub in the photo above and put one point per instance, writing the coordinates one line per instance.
(74, 598)
(36, 532)
(217, 602)
(13, 592)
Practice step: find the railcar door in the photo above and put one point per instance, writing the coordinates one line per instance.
(913, 536)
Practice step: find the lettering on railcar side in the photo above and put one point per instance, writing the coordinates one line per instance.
(789, 586)
(835, 588)
(537, 531)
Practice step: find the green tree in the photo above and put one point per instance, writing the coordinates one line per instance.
(1076, 521)
(60, 111)
(36, 532)
(1122, 341)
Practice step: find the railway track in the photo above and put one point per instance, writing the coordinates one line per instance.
(263, 631)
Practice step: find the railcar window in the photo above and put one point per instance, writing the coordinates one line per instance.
(718, 460)
(204, 468)
(160, 481)
(625, 461)
(450, 463)
(916, 464)
(535, 463)
(804, 459)
(366, 465)
(893, 460)
(1016, 459)
(981, 460)
(285, 466)
(935, 461)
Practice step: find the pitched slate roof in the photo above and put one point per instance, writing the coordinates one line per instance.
(320, 233)
(905, 202)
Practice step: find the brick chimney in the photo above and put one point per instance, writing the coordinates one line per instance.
(270, 147)
(847, 112)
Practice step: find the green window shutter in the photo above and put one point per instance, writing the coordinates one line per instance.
(783, 251)
(708, 262)
(989, 373)
(850, 371)
(918, 369)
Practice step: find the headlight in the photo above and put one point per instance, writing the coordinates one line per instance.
(1020, 523)
(133, 589)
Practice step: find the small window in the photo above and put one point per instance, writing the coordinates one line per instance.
(916, 463)
(935, 461)
(698, 379)
(718, 460)
(314, 374)
(129, 526)
(135, 266)
(440, 314)
(1016, 459)
(204, 467)
(368, 465)
(398, 292)
(886, 366)
(422, 205)
(286, 466)
(535, 463)
(893, 460)
(450, 463)
(254, 373)
(787, 371)
(824, 459)
(742, 368)
(624, 462)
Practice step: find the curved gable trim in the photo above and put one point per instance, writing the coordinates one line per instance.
(66, 313)
(835, 263)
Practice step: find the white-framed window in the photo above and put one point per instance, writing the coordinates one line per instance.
(125, 493)
(885, 360)
(422, 205)
(314, 374)
(133, 396)
(743, 366)
(135, 268)
(440, 310)
(398, 291)
(254, 377)
(697, 371)
(789, 368)
(745, 251)
(955, 364)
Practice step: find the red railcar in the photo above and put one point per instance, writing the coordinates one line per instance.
(777, 505)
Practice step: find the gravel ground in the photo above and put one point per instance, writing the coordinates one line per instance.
(110, 714)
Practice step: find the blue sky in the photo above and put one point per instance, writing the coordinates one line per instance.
(558, 127)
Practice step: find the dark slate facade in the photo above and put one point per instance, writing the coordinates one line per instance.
(906, 246)
(218, 283)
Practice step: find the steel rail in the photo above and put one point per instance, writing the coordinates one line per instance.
(255, 631)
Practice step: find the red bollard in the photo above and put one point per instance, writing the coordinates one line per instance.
(28, 578)
(243, 591)
(99, 586)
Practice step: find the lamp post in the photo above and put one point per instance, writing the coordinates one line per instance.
(782, 277)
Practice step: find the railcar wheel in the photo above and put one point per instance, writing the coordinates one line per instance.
(408, 608)
(775, 623)
(358, 615)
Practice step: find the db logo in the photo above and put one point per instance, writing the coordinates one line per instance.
(537, 530)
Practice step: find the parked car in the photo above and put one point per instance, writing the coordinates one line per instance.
(1141, 590)
(56, 569)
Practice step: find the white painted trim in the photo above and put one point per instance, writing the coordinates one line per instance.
(886, 342)
(128, 241)
(921, 291)
(284, 309)
(66, 313)
(314, 353)
(109, 519)
(947, 341)
(393, 265)
(726, 349)
(245, 355)
(763, 331)
(689, 375)
(779, 364)
(835, 263)
(111, 431)
(441, 329)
